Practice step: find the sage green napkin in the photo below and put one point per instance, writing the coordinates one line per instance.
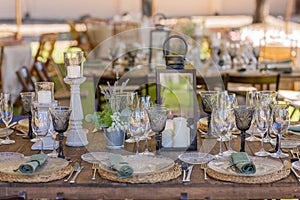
(34, 162)
(242, 163)
(118, 164)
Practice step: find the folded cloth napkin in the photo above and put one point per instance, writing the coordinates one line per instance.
(118, 164)
(295, 128)
(242, 163)
(34, 162)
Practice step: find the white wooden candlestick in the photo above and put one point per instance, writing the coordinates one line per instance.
(76, 135)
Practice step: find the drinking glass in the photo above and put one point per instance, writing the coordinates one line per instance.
(261, 117)
(265, 98)
(220, 124)
(146, 104)
(252, 101)
(208, 100)
(60, 118)
(40, 123)
(280, 121)
(243, 118)
(158, 117)
(231, 120)
(6, 115)
(137, 125)
(27, 99)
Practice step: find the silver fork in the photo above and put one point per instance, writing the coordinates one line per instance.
(94, 168)
(204, 167)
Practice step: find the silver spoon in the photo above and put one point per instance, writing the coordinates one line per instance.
(76, 165)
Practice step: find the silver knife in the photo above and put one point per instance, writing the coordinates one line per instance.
(75, 176)
(190, 170)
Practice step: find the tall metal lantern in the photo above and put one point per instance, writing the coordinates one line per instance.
(176, 89)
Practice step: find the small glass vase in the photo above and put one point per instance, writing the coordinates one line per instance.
(114, 138)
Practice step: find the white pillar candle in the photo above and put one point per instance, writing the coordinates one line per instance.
(167, 134)
(73, 71)
(181, 136)
(44, 96)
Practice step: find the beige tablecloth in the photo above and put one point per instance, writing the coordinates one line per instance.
(14, 57)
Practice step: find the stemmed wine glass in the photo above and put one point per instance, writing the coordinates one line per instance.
(280, 121)
(221, 123)
(158, 117)
(146, 104)
(27, 99)
(40, 122)
(208, 100)
(231, 120)
(60, 118)
(243, 118)
(252, 101)
(137, 125)
(261, 118)
(6, 115)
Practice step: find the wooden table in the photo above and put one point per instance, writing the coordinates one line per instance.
(85, 188)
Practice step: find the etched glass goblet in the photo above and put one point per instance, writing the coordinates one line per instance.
(60, 118)
(208, 100)
(243, 117)
(27, 99)
(158, 117)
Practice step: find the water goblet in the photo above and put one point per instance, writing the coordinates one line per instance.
(27, 99)
(137, 125)
(158, 117)
(208, 100)
(280, 121)
(6, 115)
(261, 117)
(60, 118)
(40, 123)
(243, 118)
(220, 124)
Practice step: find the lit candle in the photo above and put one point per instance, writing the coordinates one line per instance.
(73, 71)
(44, 96)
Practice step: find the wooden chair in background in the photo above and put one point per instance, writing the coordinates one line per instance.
(44, 55)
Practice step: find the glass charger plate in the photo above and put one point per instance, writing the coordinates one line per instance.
(51, 165)
(23, 122)
(196, 157)
(264, 166)
(142, 164)
(3, 132)
(93, 157)
(287, 143)
(6, 156)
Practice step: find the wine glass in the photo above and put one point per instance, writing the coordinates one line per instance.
(208, 100)
(243, 118)
(27, 99)
(6, 115)
(220, 124)
(231, 120)
(146, 104)
(158, 117)
(280, 121)
(137, 125)
(252, 101)
(40, 122)
(60, 118)
(261, 117)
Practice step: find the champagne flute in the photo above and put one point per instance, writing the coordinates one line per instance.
(252, 101)
(6, 115)
(40, 123)
(261, 117)
(145, 104)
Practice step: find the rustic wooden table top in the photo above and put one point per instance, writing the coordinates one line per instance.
(85, 188)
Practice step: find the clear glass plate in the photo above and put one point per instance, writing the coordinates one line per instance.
(196, 157)
(93, 157)
(51, 165)
(264, 166)
(3, 132)
(287, 143)
(143, 164)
